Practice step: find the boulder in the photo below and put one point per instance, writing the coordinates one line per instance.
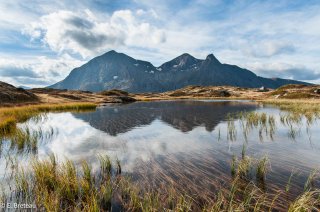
(224, 93)
(317, 91)
(263, 89)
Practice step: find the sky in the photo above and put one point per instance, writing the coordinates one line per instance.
(41, 41)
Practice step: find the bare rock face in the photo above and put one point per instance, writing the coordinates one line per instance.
(10, 94)
(114, 70)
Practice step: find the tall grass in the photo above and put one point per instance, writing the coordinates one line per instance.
(308, 201)
(262, 168)
(9, 117)
(26, 140)
(266, 124)
(303, 107)
(63, 186)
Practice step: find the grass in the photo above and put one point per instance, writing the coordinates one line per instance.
(297, 106)
(294, 116)
(308, 201)
(9, 117)
(248, 121)
(262, 168)
(310, 181)
(243, 167)
(63, 186)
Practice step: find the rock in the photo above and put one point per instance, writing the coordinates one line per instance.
(114, 92)
(123, 99)
(317, 91)
(224, 93)
(263, 89)
(127, 99)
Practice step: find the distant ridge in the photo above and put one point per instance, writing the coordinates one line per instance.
(114, 70)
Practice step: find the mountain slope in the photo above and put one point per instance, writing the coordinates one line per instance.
(10, 94)
(114, 70)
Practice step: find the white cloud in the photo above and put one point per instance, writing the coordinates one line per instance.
(36, 71)
(268, 48)
(285, 70)
(256, 35)
(85, 34)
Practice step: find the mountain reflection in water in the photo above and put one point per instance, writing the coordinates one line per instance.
(182, 115)
(184, 143)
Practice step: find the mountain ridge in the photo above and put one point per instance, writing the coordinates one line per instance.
(113, 70)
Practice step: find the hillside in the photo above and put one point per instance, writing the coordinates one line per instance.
(12, 95)
(114, 70)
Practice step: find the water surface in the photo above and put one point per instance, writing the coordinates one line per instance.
(179, 143)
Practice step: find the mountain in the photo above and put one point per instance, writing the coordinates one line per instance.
(114, 70)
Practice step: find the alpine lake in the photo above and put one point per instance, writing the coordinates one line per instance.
(197, 148)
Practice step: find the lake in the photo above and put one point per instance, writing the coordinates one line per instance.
(186, 144)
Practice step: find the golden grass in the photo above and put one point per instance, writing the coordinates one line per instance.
(300, 106)
(10, 116)
(54, 186)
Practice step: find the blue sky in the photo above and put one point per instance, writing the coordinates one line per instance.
(42, 41)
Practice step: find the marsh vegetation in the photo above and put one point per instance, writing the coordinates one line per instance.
(57, 186)
(183, 178)
(10, 116)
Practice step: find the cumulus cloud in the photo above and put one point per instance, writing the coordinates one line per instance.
(270, 48)
(85, 34)
(284, 70)
(35, 72)
(262, 36)
(11, 71)
(299, 73)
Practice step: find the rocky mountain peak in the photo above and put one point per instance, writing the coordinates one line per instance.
(181, 62)
(115, 70)
(212, 58)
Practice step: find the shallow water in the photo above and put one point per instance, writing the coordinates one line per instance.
(179, 143)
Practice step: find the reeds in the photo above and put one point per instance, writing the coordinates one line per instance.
(243, 167)
(248, 121)
(310, 181)
(262, 168)
(266, 125)
(308, 201)
(63, 186)
(26, 140)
